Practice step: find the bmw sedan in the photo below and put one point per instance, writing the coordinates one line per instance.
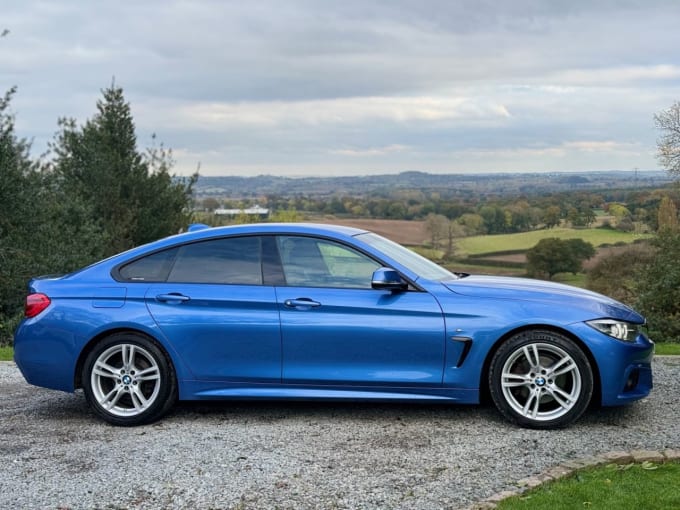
(302, 311)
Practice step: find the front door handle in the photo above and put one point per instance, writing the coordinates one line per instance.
(172, 298)
(303, 303)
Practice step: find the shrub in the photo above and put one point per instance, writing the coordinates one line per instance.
(617, 275)
(659, 288)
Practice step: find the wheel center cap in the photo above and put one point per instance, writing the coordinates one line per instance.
(540, 381)
(127, 379)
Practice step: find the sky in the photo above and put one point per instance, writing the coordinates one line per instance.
(355, 87)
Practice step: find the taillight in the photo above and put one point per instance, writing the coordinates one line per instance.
(35, 303)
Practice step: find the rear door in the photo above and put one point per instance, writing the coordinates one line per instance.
(216, 311)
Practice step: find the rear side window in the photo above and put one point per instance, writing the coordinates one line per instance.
(234, 260)
(152, 268)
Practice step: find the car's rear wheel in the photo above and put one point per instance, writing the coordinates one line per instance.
(128, 380)
(541, 379)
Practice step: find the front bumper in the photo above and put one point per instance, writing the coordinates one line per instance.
(624, 368)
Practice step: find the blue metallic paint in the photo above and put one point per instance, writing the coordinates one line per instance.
(240, 341)
(362, 336)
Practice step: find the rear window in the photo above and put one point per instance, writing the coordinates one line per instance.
(234, 260)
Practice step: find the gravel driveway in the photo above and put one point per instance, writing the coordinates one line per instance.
(55, 454)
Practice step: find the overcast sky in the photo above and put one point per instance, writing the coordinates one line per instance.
(320, 87)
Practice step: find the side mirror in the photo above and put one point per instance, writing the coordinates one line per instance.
(387, 278)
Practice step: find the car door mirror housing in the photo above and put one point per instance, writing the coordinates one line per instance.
(387, 278)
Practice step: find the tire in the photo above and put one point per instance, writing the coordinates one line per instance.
(128, 380)
(540, 379)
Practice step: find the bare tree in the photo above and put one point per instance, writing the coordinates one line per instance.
(455, 230)
(668, 121)
(668, 216)
(437, 226)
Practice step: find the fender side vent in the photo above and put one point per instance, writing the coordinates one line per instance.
(467, 344)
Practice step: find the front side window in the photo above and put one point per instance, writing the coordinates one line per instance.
(310, 262)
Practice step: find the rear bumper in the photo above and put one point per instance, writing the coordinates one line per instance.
(45, 357)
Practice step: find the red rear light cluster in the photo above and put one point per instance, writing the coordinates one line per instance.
(35, 303)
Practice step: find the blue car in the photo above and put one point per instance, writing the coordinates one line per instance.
(302, 311)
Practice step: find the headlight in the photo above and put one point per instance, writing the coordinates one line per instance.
(621, 330)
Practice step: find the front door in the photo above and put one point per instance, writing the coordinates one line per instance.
(337, 330)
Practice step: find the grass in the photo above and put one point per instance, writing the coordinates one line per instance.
(429, 253)
(577, 280)
(6, 353)
(523, 241)
(667, 349)
(647, 485)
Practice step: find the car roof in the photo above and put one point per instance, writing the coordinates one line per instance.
(336, 231)
(319, 229)
(270, 228)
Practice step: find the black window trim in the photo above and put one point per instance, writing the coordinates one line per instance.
(115, 271)
(412, 284)
(273, 257)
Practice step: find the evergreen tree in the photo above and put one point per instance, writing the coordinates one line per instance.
(132, 194)
(41, 230)
(16, 175)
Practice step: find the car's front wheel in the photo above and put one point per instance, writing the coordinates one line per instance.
(541, 379)
(128, 380)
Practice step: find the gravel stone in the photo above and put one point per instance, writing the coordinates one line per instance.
(299, 455)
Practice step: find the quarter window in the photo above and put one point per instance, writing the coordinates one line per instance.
(152, 268)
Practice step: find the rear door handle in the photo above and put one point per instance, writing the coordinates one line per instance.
(172, 298)
(301, 303)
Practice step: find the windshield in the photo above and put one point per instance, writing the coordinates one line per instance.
(407, 258)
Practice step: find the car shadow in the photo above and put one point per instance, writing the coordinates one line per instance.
(48, 405)
(268, 411)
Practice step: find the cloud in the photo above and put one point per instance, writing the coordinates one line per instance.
(337, 111)
(310, 86)
(372, 151)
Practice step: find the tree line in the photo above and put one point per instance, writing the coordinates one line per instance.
(630, 209)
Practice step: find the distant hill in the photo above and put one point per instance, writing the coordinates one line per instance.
(446, 184)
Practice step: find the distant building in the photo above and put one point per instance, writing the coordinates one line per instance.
(255, 210)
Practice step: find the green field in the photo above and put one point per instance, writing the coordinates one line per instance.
(469, 246)
(462, 267)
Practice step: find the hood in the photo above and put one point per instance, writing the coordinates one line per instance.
(499, 287)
